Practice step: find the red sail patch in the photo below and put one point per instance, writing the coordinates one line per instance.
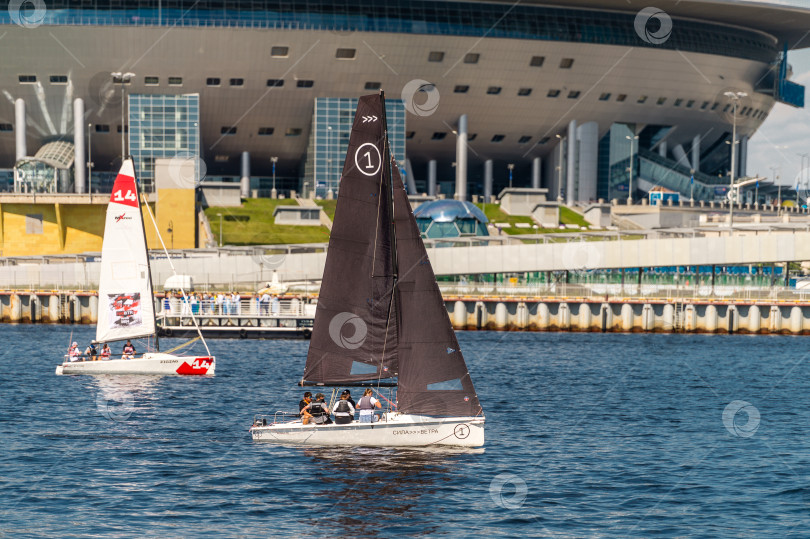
(124, 191)
(198, 366)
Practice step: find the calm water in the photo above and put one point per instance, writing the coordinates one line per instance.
(587, 435)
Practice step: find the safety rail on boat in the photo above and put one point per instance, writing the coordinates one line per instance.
(286, 417)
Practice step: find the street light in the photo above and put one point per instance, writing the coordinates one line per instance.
(735, 98)
(779, 187)
(511, 167)
(220, 229)
(274, 193)
(630, 187)
(800, 181)
(559, 167)
(89, 163)
(122, 78)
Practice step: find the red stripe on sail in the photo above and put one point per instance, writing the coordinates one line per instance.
(124, 191)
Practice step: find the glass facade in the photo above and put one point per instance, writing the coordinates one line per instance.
(329, 140)
(505, 20)
(162, 126)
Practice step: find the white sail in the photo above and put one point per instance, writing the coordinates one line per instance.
(125, 303)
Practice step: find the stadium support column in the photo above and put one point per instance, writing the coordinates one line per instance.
(662, 149)
(571, 179)
(487, 180)
(680, 156)
(19, 128)
(411, 181)
(432, 178)
(461, 159)
(696, 153)
(743, 157)
(79, 162)
(588, 151)
(536, 173)
(245, 175)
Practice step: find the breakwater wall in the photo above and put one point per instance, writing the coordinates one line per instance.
(688, 315)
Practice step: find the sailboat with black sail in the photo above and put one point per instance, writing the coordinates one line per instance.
(381, 320)
(125, 299)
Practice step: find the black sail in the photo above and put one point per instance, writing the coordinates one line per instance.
(354, 336)
(433, 377)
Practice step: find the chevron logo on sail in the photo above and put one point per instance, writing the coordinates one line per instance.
(367, 119)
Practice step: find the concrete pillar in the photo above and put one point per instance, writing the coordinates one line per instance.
(501, 316)
(696, 153)
(536, 173)
(570, 180)
(742, 157)
(543, 316)
(19, 128)
(680, 156)
(662, 149)
(432, 178)
(410, 179)
(459, 315)
(588, 152)
(564, 317)
(461, 159)
(245, 175)
(79, 161)
(487, 180)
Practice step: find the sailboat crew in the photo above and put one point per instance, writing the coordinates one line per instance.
(319, 411)
(128, 351)
(344, 411)
(366, 407)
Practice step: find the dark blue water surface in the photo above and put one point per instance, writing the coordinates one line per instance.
(587, 435)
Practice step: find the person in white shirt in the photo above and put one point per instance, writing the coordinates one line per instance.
(366, 406)
(74, 354)
(343, 410)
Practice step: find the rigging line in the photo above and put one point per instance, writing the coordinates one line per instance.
(179, 346)
(171, 264)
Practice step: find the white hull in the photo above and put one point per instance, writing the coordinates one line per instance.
(149, 363)
(393, 430)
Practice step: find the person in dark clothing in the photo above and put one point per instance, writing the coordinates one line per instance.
(344, 411)
(348, 398)
(318, 411)
(305, 416)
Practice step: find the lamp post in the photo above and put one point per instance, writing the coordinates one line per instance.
(220, 229)
(170, 230)
(800, 181)
(123, 79)
(691, 185)
(779, 187)
(735, 98)
(511, 167)
(329, 158)
(559, 167)
(630, 186)
(274, 193)
(89, 163)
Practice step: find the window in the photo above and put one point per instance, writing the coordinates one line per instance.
(279, 52)
(725, 109)
(524, 139)
(345, 54)
(28, 79)
(461, 88)
(494, 90)
(293, 132)
(410, 134)
(276, 83)
(175, 81)
(212, 81)
(266, 131)
(573, 94)
(543, 140)
(704, 105)
(6, 128)
(58, 79)
(227, 130)
(119, 80)
(498, 138)
(471, 58)
(744, 110)
(716, 104)
(373, 85)
(537, 61)
(33, 223)
(604, 97)
(524, 92)
(438, 135)
(151, 81)
(237, 82)
(661, 101)
(690, 103)
(102, 128)
(435, 56)
(219, 158)
(472, 137)
(621, 97)
(641, 100)
(553, 93)
(118, 129)
(566, 63)
(305, 83)
(677, 103)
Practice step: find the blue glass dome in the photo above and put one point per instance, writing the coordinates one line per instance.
(450, 218)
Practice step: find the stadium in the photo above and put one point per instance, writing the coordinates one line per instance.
(586, 98)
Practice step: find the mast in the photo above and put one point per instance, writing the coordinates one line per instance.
(390, 188)
(146, 244)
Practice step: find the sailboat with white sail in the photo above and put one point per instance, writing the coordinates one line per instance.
(126, 301)
(381, 320)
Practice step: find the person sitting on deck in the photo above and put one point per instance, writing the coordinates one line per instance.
(91, 352)
(366, 407)
(105, 352)
(128, 351)
(305, 416)
(73, 352)
(318, 410)
(344, 411)
(349, 398)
